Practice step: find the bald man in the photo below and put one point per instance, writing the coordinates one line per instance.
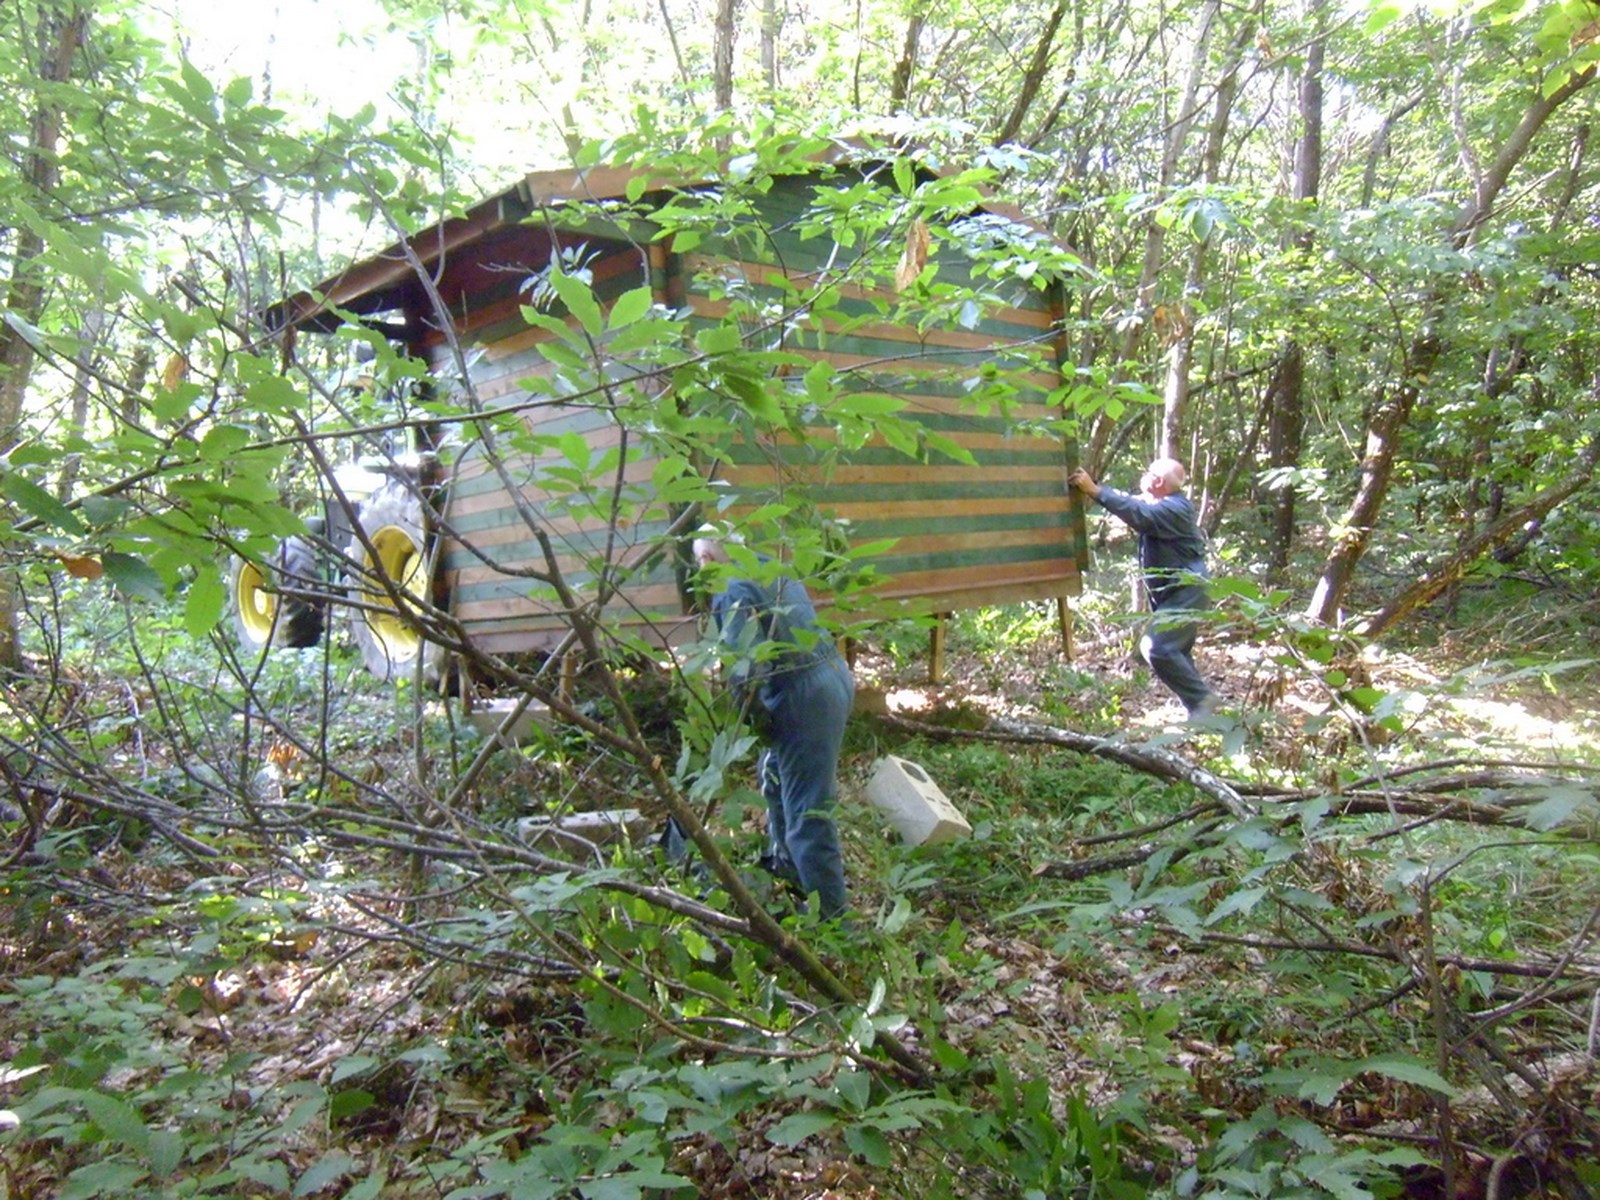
(1172, 556)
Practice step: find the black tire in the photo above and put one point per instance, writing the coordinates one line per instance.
(266, 610)
(391, 641)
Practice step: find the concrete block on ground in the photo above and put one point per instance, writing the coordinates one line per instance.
(488, 716)
(574, 836)
(913, 803)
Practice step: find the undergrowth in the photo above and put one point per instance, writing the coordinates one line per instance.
(255, 973)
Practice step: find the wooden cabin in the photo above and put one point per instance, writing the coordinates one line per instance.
(1001, 529)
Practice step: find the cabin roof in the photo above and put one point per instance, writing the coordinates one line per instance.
(375, 284)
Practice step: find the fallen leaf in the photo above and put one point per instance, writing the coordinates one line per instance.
(81, 566)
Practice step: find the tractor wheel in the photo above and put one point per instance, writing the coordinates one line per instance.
(263, 613)
(391, 641)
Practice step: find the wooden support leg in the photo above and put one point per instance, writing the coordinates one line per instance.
(569, 675)
(1064, 616)
(936, 649)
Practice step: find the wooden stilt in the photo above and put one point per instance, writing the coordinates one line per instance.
(569, 675)
(1064, 616)
(936, 649)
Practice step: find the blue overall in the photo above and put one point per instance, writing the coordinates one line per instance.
(1172, 556)
(806, 692)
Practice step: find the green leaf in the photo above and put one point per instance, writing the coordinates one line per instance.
(101, 1179)
(631, 307)
(870, 404)
(797, 1127)
(869, 1144)
(203, 605)
(580, 301)
(268, 1172)
(38, 503)
(1236, 902)
(354, 1064)
(223, 442)
(174, 405)
(330, 1168)
(1407, 1070)
(718, 339)
(133, 576)
(274, 395)
(369, 1188)
(349, 1103)
(165, 1153)
(854, 1088)
(118, 1120)
(1559, 807)
(103, 510)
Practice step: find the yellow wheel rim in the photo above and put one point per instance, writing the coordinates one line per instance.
(257, 605)
(399, 558)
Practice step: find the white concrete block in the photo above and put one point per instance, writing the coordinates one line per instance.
(575, 835)
(912, 801)
(488, 716)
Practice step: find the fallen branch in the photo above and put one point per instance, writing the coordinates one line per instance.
(1153, 760)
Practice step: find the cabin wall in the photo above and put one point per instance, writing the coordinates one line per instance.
(1004, 530)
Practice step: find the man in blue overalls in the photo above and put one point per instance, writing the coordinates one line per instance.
(1172, 556)
(804, 689)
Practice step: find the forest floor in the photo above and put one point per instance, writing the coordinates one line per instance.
(337, 999)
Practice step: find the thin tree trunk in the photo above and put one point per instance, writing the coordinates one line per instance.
(60, 35)
(900, 84)
(1155, 232)
(1287, 422)
(1394, 407)
(771, 22)
(1380, 145)
(724, 27)
(78, 403)
(1180, 350)
(1033, 77)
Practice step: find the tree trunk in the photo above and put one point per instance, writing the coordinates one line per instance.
(1394, 407)
(724, 26)
(900, 85)
(1287, 420)
(771, 22)
(1155, 232)
(60, 34)
(1180, 344)
(1033, 77)
(78, 404)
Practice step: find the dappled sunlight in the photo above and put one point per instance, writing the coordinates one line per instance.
(1510, 723)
